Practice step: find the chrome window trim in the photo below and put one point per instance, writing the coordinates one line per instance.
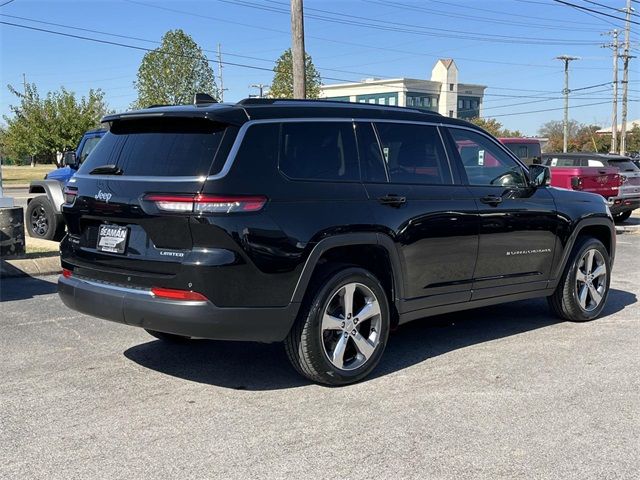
(237, 143)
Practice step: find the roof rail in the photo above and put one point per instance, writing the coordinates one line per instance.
(322, 101)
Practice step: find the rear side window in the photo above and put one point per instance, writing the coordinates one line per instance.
(158, 147)
(318, 151)
(413, 154)
(87, 148)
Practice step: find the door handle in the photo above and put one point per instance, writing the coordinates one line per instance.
(393, 200)
(491, 200)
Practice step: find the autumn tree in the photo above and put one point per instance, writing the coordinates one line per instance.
(173, 73)
(41, 127)
(495, 128)
(282, 83)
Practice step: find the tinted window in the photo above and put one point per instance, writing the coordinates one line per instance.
(319, 151)
(370, 155)
(88, 147)
(485, 162)
(413, 153)
(163, 147)
(623, 165)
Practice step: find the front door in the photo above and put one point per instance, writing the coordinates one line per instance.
(430, 217)
(517, 224)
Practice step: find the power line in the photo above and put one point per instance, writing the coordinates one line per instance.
(548, 110)
(604, 6)
(342, 42)
(413, 29)
(477, 18)
(509, 14)
(587, 9)
(6, 3)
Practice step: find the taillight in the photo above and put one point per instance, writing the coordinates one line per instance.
(173, 294)
(66, 273)
(70, 194)
(206, 203)
(576, 183)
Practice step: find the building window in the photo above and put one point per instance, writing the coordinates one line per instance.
(392, 100)
(451, 113)
(460, 104)
(451, 87)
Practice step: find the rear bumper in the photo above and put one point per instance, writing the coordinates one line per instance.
(138, 307)
(623, 204)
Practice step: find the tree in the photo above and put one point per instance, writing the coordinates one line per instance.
(282, 83)
(494, 127)
(41, 127)
(554, 131)
(173, 73)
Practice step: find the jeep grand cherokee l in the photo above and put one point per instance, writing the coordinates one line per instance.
(321, 225)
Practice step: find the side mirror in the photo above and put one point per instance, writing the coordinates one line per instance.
(539, 176)
(69, 159)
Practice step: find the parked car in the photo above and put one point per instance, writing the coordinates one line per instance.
(628, 198)
(319, 224)
(44, 217)
(526, 149)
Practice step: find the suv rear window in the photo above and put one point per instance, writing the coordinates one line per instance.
(158, 147)
(624, 165)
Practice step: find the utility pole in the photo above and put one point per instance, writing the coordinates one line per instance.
(565, 123)
(297, 49)
(222, 89)
(625, 78)
(261, 87)
(614, 115)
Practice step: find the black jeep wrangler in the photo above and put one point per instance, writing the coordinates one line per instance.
(319, 224)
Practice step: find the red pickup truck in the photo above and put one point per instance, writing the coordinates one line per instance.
(606, 181)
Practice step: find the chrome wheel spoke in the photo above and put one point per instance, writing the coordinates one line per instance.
(595, 295)
(589, 261)
(599, 271)
(371, 309)
(582, 296)
(363, 345)
(329, 322)
(347, 299)
(581, 276)
(337, 356)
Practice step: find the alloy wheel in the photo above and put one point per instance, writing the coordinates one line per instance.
(591, 280)
(351, 325)
(39, 222)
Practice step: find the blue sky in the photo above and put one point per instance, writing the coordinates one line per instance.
(399, 38)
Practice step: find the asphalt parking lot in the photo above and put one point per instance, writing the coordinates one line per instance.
(500, 392)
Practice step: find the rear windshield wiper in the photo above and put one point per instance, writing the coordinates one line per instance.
(109, 169)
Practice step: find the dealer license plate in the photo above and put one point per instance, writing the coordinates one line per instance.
(112, 238)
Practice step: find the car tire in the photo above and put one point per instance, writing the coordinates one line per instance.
(168, 337)
(342, 328)
(582, 291)
(42, 221)
(621, 217)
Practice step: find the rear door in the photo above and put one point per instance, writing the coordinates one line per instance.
(517, 225)
(413, 194)
(112, 226)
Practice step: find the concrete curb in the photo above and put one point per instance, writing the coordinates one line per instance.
(30, 267)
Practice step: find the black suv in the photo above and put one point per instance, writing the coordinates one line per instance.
(320, 224)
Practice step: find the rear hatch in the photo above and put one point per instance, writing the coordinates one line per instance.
(112, 204)
(631, 177)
